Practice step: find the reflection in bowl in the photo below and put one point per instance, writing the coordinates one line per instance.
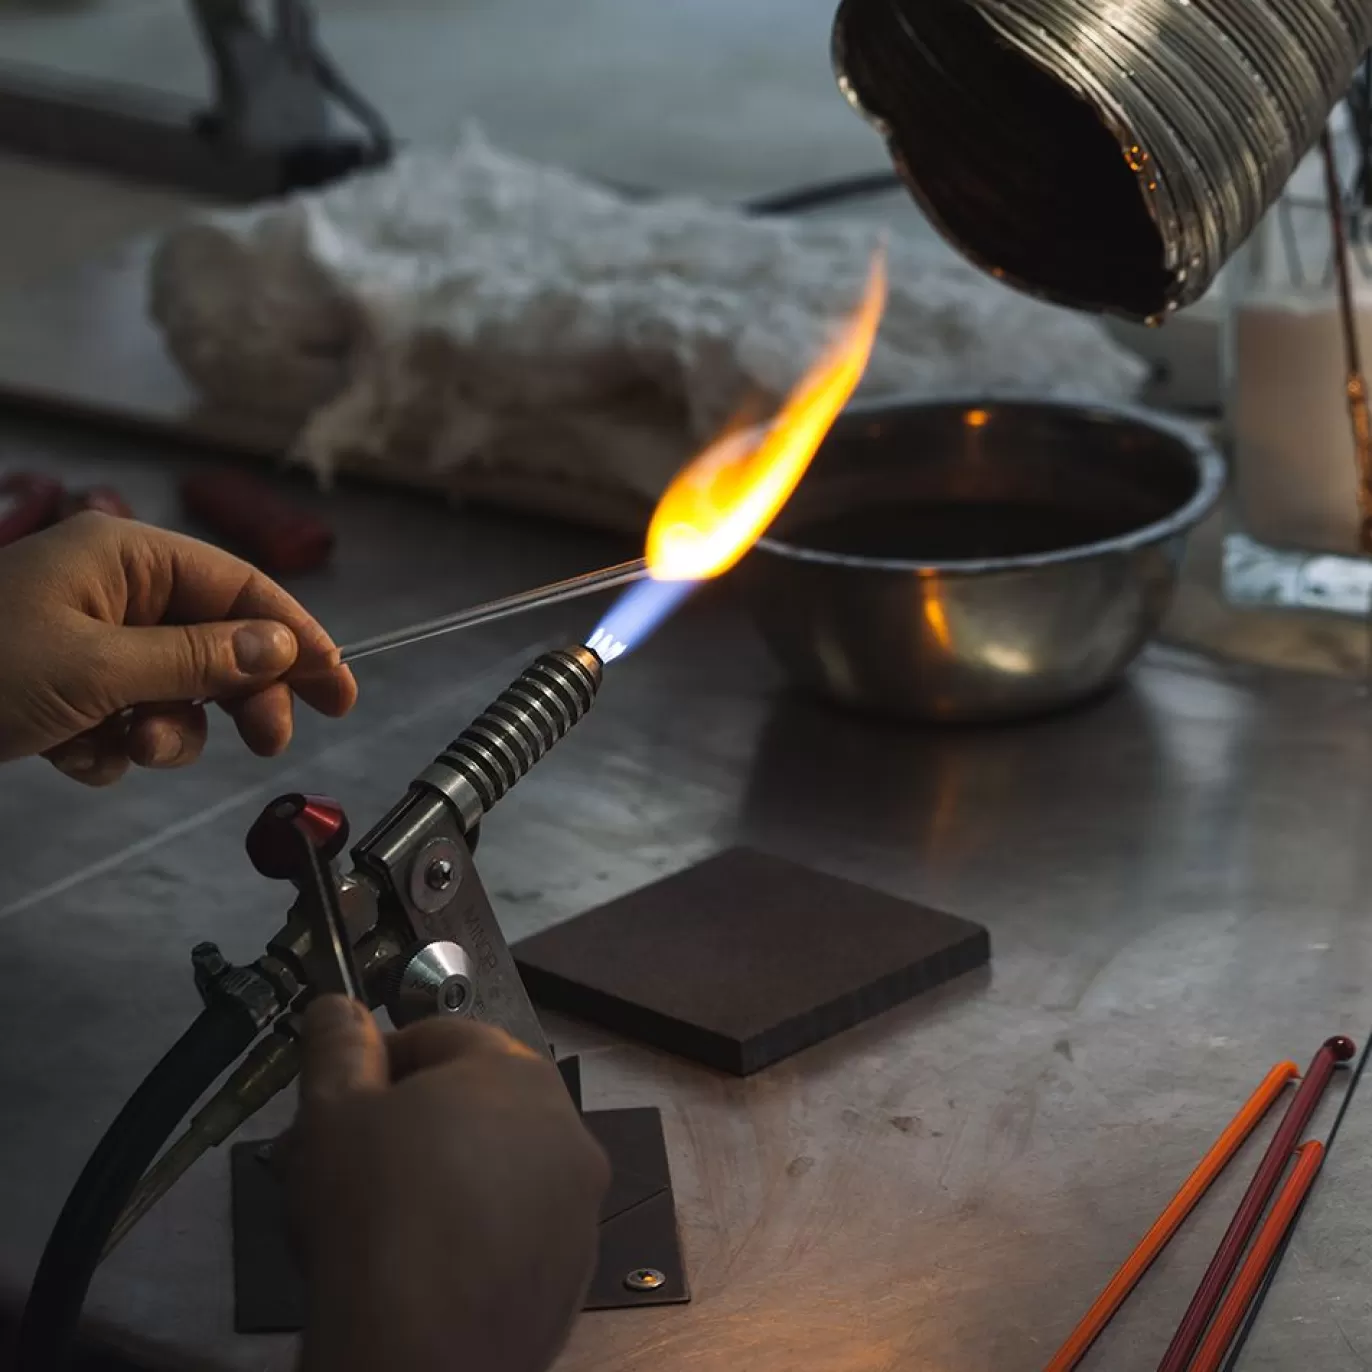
(980, 559)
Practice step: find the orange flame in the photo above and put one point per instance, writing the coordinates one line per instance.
(722, 501)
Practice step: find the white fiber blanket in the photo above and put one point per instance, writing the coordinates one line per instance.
(463, 310)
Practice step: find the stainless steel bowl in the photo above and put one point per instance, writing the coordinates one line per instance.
(979, 559)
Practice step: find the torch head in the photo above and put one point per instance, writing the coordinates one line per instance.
(504, 742)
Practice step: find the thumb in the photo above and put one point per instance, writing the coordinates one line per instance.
(194, 661)
(343, 1052)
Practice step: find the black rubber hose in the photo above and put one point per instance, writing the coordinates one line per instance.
(818, 194)
(209, 1047)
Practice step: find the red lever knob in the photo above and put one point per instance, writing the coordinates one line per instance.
(272, 842)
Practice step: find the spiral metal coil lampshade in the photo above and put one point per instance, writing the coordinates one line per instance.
(1110, 155)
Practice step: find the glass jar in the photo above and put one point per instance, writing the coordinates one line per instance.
(1296, 521)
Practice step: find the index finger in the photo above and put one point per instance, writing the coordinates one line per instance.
(196, 582)
(342, 1052)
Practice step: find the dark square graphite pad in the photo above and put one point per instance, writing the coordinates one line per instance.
(745, 959)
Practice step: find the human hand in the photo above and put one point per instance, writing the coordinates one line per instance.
(111, 630)
(445, 1196)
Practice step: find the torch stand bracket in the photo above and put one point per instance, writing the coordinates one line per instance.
(639, 1260)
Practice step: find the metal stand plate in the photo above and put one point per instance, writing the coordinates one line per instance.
(640, 1253)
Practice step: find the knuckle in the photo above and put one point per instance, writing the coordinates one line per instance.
(93, 659)
(105, 773)
(205, 657)
(88, 673)
(75, 768)
(107, 777)
(90, 524)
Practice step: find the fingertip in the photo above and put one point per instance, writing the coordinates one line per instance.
(332, 693)
(95, 758)
(104, 771)
(347, 690)
(164, 739)
(342, 1050)
(264, 648)
(265, 719)
(76, 756)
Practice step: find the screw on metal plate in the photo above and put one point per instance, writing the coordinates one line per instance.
(435, 875)
(439, 875)
(645, 1279)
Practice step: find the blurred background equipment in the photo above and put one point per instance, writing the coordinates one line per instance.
(283, 116)
(476, 322)
(254, 517)
(31, 501)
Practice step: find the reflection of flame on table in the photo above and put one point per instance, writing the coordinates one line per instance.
(723, 500)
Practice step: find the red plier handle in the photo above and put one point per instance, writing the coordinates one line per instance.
(28, 502)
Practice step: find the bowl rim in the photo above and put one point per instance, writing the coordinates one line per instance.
(1211, 478)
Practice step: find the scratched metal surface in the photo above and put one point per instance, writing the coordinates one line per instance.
(1175, 879)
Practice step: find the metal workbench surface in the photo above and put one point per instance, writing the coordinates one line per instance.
(1175, 880)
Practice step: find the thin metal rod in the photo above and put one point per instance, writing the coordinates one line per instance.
(1355, 383)
(552, 594)
(327, 911)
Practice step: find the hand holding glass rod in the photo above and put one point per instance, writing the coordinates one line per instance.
(552, 593)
